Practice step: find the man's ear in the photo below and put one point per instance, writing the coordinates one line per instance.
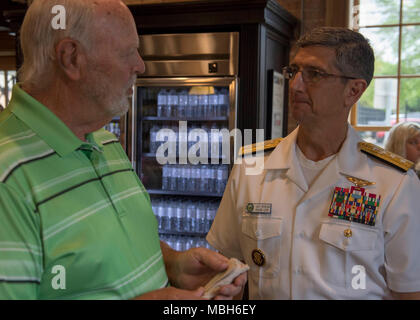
(353, 91)
(69, 57)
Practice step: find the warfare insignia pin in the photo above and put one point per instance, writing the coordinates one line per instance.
(358, 182)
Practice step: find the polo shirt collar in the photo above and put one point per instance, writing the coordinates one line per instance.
(46, 124)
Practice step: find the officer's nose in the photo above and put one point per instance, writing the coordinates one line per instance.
(297, 83)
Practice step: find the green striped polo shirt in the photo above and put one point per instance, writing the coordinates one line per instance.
(75, 220)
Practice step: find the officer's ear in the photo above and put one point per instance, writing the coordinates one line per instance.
(353, 91)
(70, 58)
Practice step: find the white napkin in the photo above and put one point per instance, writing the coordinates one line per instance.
(234, 269)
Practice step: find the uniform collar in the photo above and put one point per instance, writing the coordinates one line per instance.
(349, 161)
(46, 124)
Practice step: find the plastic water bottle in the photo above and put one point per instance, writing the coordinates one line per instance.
(155, 208)
(161, 214)
(178, 244)
(182, 178)
(195, 176)
(179, 178)
(179, 219)
(224, 155)
(172, 172)
(172, 177)
(214, 143)
(213, 103)
(154, 205)
(191, 216)
(201, 218)
(209, 217)
(162, 99)
(192, 106)
(203, 104)
(204, 181)
(182, 104)
(165, 178)
(172, 104)
(207, 177)
(166, 223)
(222, 177)
(213, 178)
(172, 215)
(190, 243)
(153, 141)
(223, 103)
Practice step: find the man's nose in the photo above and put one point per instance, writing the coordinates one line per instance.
(140, 67)
(297, 83)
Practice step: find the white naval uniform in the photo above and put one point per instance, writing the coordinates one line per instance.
(306, 253)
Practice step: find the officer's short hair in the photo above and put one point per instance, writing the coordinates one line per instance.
(354, 55)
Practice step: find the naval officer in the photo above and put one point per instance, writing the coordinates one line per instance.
(324, 215)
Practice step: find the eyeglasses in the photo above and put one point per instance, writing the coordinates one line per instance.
(310, 75)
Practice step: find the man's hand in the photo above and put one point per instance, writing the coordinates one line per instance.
(195, 267)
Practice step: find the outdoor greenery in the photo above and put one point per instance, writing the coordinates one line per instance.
(384, 40)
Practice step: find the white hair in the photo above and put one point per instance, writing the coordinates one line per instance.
(398, 136)
(38, 38)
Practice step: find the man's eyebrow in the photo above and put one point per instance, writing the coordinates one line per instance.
(309, 66)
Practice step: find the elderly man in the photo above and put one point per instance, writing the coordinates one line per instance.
(327, 216)
(76, 222)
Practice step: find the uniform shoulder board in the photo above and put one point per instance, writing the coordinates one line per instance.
(386, 156)
(265, 146)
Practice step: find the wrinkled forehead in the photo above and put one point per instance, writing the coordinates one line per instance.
(321, 57)
(106, 9)
(113, 21)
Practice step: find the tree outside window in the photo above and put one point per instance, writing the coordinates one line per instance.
(392, 26)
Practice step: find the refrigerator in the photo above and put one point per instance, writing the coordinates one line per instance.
(187, 96)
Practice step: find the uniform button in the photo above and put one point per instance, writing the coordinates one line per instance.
(348, 233)
(258, 257)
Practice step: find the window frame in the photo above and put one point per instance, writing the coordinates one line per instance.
(353, 24)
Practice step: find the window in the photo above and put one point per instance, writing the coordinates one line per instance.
(392, 26)
(7, 81)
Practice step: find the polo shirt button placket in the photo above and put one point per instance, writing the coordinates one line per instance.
(108, 187)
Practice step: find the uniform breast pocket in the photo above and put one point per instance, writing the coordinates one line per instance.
(343, 247)
(261, 240)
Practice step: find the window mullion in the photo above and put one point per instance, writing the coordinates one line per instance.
(399, 61)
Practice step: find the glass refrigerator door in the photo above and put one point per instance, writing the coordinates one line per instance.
(179, 154)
